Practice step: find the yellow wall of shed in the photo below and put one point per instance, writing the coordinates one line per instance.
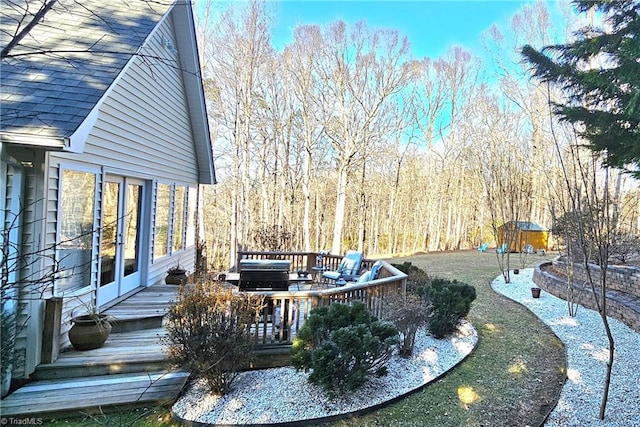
(537, 239)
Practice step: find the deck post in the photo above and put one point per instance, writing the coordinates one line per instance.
(51, 330)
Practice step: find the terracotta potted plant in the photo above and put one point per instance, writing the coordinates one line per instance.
(535, 292)
(90, 329)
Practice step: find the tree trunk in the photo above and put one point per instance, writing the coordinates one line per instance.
(341, 199)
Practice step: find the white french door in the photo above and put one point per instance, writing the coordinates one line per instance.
(121, 235)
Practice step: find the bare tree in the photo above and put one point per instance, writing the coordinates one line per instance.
(590, 220)
(445, 89)
(361, 71)
(236, 52)
(25, 19)
(531, 25)
(299, 59)
(506, 174)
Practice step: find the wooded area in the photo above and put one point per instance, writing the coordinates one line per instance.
(343, 140)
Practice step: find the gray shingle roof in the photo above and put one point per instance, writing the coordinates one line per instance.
(61, 69)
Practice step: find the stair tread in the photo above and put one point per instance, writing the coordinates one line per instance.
(144, 345)
(51, 396)
(129, 369)
(141, 357)
(124, 352)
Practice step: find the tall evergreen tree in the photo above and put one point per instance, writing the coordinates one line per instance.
(600, 75)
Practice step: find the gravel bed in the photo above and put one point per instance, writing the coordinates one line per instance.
(587, 352)
(282, 395)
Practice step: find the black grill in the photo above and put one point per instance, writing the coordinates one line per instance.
(264, 275)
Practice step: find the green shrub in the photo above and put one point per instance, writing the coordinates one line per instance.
(343, 346)
(208, 333)
(451, 301)
(417, 277)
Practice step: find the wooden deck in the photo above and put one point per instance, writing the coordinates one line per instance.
(129, 370)
(144, 310)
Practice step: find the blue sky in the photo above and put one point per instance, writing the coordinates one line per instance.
(431, 26)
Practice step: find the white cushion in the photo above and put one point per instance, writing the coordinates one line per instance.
(365, 277)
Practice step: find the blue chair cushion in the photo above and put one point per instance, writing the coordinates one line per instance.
(365, 277)
(375, 270)
(333, 275)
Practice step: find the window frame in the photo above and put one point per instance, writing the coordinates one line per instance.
(94, 241)
(167, 241)
(185, 224)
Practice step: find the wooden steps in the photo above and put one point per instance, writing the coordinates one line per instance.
(124, 352)
(129, 370)
(144, 310)
(49, 398)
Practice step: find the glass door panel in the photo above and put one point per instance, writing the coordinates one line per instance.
(132, 231)
(132, 235)
(121, 237)
(110, 207)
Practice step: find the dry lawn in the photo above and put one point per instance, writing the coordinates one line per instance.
(514, 376)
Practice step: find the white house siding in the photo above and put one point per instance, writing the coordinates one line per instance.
(143, 127)
(27, 347)
(143, 131)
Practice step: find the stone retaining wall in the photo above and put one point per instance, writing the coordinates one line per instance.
(623, 302)
(619, 278)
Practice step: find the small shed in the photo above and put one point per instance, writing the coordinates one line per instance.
(522, 235)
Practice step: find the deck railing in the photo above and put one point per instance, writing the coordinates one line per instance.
(301, 260)
(285, 312)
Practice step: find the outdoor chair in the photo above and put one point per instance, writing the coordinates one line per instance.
(502, 249)
(368, 276)
(348, 269)
(483, 247)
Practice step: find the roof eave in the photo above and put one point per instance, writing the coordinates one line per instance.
(190, 64)
(48, 143)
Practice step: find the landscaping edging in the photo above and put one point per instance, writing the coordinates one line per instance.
(495, 284)
(299, 394)
(621, 305)
(586, 343)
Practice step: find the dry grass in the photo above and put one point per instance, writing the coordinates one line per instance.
(512, 378)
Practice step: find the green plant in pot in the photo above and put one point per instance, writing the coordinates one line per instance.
(176, 275)
(90, 328)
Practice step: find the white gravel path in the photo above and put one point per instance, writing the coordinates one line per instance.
(587, 353)
(256, 392)
(280, 395)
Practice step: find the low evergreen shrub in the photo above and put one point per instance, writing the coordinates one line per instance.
(417, 277)
(451, 301)
(343, 346)
(208, 333)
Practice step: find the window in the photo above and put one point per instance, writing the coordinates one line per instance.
(178, 218)
(173, 226)
(76, 230)
(163, 199)
(191, 216)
